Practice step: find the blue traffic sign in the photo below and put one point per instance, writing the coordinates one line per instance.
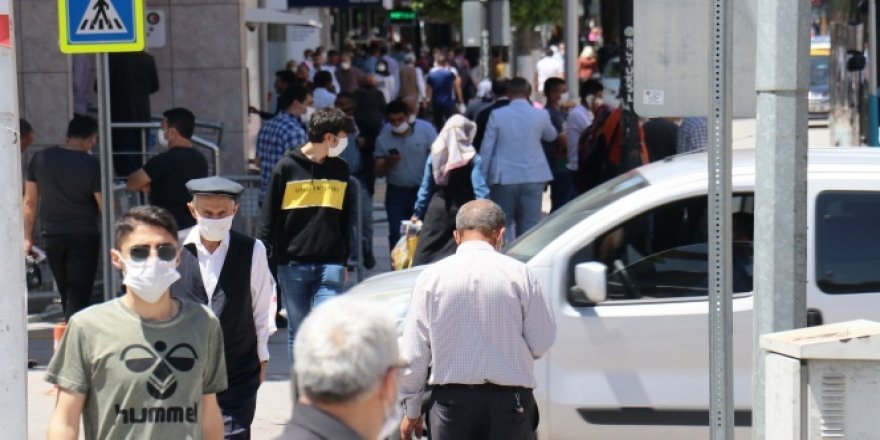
(89, 26)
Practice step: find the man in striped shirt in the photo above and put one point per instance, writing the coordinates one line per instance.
(480, 320)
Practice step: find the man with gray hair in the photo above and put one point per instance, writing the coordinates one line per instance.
(480, 320)
(347, 361)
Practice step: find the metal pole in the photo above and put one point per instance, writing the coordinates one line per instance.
(13, 302)
(571, 45)
(103, 68)
(484, 41)
(782, 80)
(630, 144)
(720, 283)
(873, 106)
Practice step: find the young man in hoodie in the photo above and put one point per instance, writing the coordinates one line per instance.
(306, 217)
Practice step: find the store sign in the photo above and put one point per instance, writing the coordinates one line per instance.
(332, 3)
(402, 16)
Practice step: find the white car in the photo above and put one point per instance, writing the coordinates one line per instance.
(631, 356)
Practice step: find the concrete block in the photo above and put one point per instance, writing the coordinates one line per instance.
(47, 105)
(206, 36)
(38, 25)
(213, 94)
(164, 98)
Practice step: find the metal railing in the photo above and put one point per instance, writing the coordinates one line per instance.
(198, 141)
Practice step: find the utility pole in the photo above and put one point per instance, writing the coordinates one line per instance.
(571, 46)
(629, 141)
(13, 301)
(106, 154)
(782, 78)
(873, 105)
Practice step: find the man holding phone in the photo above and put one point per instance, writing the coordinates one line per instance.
(401, 151)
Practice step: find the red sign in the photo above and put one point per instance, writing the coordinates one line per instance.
(5, 38)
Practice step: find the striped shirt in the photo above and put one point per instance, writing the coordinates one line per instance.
(475, 317)
(276, 136)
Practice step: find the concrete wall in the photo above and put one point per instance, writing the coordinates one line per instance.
(202, 68)
(44, 90)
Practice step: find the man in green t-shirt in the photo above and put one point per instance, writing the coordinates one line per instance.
(144, 365)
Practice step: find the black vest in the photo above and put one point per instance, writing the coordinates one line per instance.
(232, 303)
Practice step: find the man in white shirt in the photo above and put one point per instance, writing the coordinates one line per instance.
(547, 67)
(479, 319)
(228, 272)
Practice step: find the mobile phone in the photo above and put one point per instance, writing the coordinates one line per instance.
(394, 152)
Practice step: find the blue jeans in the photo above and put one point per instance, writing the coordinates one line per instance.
(304, 287)
(399, 203)
(561, 189)
(521, 203)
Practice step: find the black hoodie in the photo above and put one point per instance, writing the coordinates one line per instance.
(306, 210)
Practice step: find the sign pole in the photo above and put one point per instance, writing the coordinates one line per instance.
(629, 122)
(13, 301)
(782, 73)
(720, 283)
(106, 155)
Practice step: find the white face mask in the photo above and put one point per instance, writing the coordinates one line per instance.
(161, 139)
(307, 116)
(393, 416)
(339, 148)
(400, 129)
(564, 97)
(345, 65)
(215, 229)
(150, 279)
(412, 119)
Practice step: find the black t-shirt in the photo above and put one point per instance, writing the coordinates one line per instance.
(67, 181)
(169, 173)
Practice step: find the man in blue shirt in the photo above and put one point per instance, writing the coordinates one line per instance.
(401, 151)
(282, 132)
(514, 163)
(443, 90)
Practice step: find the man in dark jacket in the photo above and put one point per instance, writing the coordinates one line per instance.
(306, 217)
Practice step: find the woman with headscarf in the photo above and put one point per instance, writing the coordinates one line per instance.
(452, 178)
(385, 81)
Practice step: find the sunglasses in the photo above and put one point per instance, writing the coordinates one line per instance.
(165, 252)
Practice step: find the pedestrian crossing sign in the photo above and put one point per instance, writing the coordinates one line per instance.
(92, 26)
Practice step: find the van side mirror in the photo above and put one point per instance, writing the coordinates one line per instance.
(590, 284)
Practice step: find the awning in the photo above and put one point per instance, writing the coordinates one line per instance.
(260, 15)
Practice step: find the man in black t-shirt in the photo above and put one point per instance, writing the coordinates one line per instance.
(164, 177)
(66, 183)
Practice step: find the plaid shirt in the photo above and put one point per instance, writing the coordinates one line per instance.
(279, 134)
(693, 135)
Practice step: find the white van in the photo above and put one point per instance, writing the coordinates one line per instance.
(633, 363)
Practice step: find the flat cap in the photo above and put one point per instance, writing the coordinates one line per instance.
(214, 185)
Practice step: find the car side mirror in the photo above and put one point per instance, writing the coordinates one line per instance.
(590, 284)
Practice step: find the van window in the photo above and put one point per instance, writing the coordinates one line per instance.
(663, 253)
(848, 242)
(572, 213)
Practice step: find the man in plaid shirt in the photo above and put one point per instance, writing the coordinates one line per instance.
(286, 130)
(693, 134)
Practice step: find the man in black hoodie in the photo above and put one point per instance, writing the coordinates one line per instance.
(306, 217)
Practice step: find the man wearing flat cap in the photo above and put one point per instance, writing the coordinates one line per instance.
(228, 272)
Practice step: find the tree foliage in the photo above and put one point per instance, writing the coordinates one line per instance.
(524, 14)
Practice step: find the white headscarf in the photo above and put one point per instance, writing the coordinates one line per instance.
(453, 148)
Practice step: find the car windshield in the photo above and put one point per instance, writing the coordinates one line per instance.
(527, 246)
(819, 69)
